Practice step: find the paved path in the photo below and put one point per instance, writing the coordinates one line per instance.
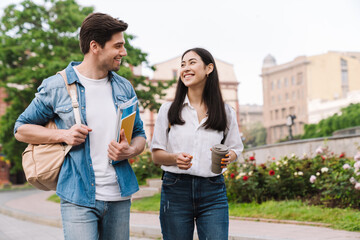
(15, 229)
(31, 205)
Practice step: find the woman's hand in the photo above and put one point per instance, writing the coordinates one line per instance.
(183, 161)
(229, 158)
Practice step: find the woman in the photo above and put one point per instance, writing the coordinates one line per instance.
(185, 131)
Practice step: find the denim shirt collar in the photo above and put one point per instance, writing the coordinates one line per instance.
(72, 76)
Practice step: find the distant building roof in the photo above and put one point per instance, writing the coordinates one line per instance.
(269, 61)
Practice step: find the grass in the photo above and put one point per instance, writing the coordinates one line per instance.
(148, 204)
(54, 198)
(344, 219)
(11, 187)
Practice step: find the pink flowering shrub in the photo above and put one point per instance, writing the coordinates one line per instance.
(326, 179)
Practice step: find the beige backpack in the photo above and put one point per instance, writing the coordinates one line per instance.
(42, 162)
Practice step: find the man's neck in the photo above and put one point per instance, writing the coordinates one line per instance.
(90, 69)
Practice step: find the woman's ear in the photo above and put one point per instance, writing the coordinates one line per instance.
(209, 69)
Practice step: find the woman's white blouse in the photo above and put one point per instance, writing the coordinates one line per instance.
(193, 138)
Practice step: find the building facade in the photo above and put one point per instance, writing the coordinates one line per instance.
(311, 88)
(169, 70)
(251, 114)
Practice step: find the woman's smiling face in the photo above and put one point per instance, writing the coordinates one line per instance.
(193, 70)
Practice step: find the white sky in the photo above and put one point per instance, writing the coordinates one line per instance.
(240, 32)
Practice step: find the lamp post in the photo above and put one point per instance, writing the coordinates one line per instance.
(289, 123)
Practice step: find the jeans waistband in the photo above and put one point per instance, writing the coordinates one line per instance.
(188, 176)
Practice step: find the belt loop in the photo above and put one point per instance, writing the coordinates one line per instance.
(162, 175)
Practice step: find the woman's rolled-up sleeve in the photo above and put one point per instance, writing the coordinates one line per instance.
(160, 136)
(233, 138)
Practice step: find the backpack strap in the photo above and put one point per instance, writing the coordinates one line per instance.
(168, 129)
(73, 95)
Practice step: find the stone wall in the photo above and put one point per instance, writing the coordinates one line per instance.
(337, 144)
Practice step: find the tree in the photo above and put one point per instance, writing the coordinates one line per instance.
(255, 135)
(37, 41)
(349, 117)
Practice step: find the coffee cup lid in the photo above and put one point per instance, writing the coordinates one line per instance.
(220, 148)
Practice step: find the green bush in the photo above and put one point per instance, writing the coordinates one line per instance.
(348, 118)
(326, 179)
(144, 167)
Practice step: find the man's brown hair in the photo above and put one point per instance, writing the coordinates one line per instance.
(99, 27)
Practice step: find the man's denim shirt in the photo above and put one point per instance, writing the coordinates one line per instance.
(76, 182)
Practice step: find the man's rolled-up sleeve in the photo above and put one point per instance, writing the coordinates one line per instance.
(39, 111)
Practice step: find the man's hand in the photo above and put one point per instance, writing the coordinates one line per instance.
(76, 135)
(122, 150)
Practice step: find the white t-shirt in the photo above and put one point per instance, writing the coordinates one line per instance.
(101, 118)
(193, 138)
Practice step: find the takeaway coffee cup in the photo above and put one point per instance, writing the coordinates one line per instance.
(218, 152)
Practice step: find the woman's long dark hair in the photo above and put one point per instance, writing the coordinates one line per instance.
(211, 96)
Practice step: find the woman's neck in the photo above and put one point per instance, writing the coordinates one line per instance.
(195, 96)
(197, 102)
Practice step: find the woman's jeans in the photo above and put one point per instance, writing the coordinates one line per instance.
(185, 199)
(106, 221)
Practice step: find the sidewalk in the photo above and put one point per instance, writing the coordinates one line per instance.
(31, 205)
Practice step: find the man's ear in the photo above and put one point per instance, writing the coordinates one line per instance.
(94, 46)
(209, 68)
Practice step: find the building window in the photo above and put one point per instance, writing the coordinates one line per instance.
(272, 85)
(293, 95)
(276, 114)
(344, 78)
(299, 78)
(344, 82)
(279, 84)
(283, 113)
(343, 63)
(279, 98)
(174, 73)
(286, 83)
(271, 115)
(287, 97)
(292, 110)
(274, 132)
(292, 80)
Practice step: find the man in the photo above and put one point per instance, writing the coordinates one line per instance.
(96, 181)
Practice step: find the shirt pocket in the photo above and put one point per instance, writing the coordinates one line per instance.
(66, 114)
(121, 99)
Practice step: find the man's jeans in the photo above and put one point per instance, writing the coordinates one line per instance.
(107, 221)
(185, 198)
